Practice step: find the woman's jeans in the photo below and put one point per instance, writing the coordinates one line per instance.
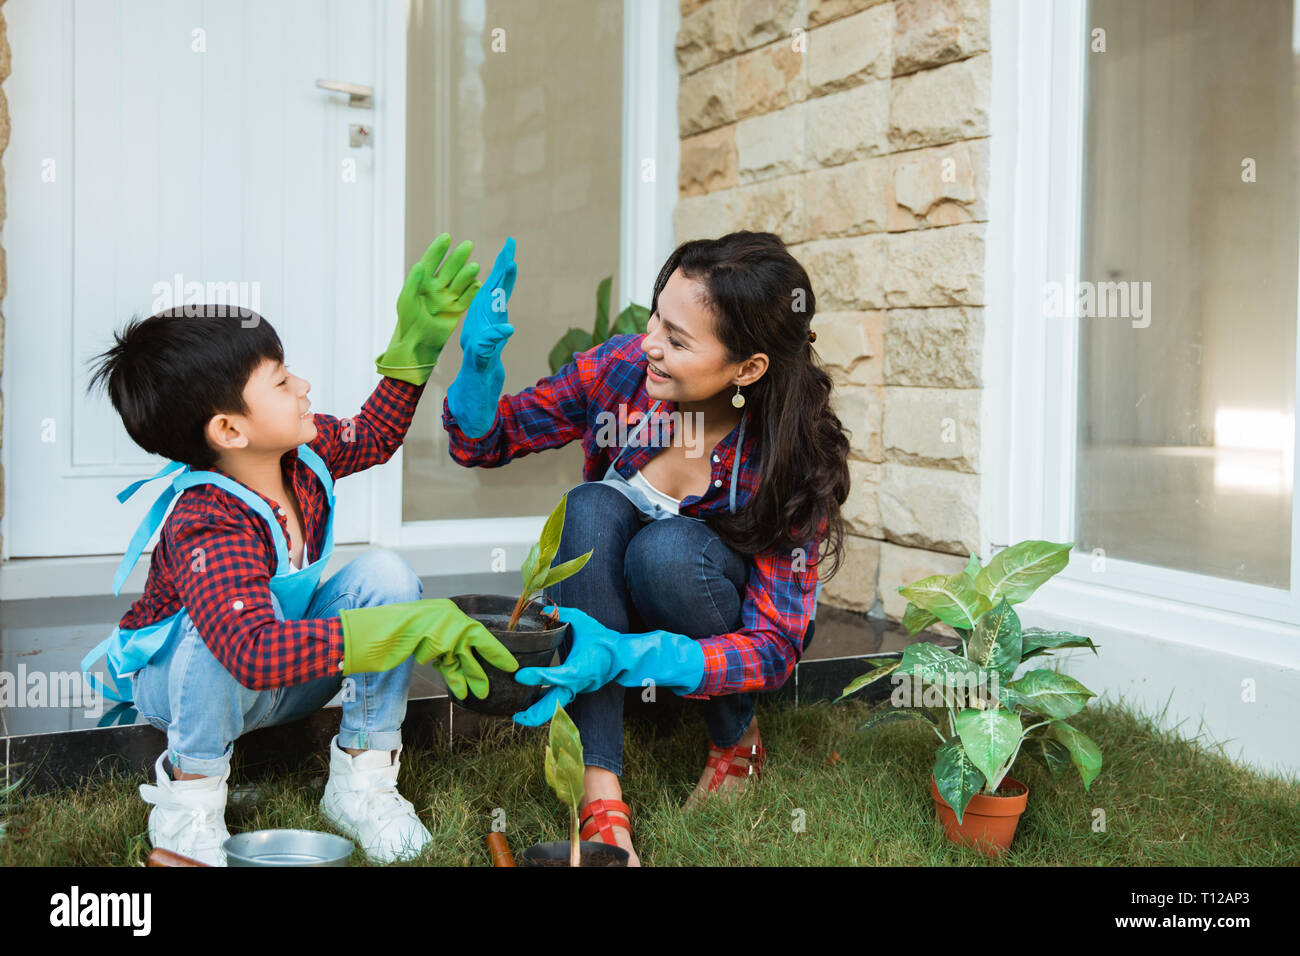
(674, 574)
(189, 694)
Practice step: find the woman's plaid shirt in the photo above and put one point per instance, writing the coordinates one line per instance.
(583, 401)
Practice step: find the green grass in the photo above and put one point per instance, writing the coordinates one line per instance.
(1166, 801)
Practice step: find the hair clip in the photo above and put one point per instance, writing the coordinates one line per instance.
(812, 336)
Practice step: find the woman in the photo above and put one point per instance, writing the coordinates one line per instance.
(707, 523)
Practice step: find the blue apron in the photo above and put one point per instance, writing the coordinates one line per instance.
(128, 650)
(655, 511)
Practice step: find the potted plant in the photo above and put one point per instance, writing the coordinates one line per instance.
(988, 716)
(564, 774)
(519, 624)
(632, 320)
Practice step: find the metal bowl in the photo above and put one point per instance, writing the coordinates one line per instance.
(287, 848)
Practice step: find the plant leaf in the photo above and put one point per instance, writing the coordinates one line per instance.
(956, 776)
(936, 664)
(563, 764)
(529, 569)
(972, 568)
(952, 598)
(632, 321)
(549, 542)
(1017, 572)
(1084, 753)
(1051, 694)
(995, 644)
(862, 680)
(916, 620)
(1051, 753)
(989, 737)
(602, 311)
(894, 715)
(562, 353)
(566, 570)
(1036, 641)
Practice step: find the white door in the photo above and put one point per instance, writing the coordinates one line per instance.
(159, 143)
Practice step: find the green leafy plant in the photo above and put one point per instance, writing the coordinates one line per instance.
(632, 320)
(537, 571)
(564, 773)
(990, 715)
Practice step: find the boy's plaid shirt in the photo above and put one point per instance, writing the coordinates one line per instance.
(215, 555)
(578, 402)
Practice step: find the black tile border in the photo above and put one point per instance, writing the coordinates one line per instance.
(52, 761)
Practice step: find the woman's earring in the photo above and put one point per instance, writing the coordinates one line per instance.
(738, 400)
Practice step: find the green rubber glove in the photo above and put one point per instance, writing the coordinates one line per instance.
(430, 305)
(433, 630)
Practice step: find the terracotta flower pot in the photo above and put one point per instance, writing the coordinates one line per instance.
(989, 823)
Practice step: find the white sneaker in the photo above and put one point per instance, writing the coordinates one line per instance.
(188, 816)
(361, 799)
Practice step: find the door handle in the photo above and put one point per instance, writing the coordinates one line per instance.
(361, 97)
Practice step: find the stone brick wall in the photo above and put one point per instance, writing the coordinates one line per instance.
(857, 130)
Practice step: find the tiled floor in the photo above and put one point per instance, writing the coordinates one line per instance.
(54, 736)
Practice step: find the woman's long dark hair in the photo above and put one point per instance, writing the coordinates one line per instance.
(761, 301)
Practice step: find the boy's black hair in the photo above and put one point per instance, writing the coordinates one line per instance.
(167, 375)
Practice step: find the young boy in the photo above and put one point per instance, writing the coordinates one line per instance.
(234, 630)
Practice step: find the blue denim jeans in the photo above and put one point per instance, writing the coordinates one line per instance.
(675, 575)
(188, 694)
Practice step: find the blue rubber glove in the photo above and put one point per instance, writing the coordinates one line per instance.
(599, 655)
(472, 397)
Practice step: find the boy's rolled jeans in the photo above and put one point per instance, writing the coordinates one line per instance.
(187, 693)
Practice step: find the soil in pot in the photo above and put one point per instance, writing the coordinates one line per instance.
(590, 852)
(989, 823)
(532, 643)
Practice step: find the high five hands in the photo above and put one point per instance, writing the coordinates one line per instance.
(433, 298)
(472, 397)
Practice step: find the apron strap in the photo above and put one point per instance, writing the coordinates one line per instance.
(317, 465)
(150, 524)
(631, 439)
(190, 479)
(135, 486)
(102, 649)
(735, 463)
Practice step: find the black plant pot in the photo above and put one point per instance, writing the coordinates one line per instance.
(590, 853)
(532, 643)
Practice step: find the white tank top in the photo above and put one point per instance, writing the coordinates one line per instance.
(669, 504)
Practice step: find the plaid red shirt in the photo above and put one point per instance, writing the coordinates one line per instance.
(779, 596)
(228, 594)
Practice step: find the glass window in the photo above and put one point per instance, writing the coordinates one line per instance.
(1187, 290)
(514, 114)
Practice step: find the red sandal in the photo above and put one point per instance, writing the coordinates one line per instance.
(594, 819)
(723, 764)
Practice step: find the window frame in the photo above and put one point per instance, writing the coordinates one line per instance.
(1030, 364)
(649, 131)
